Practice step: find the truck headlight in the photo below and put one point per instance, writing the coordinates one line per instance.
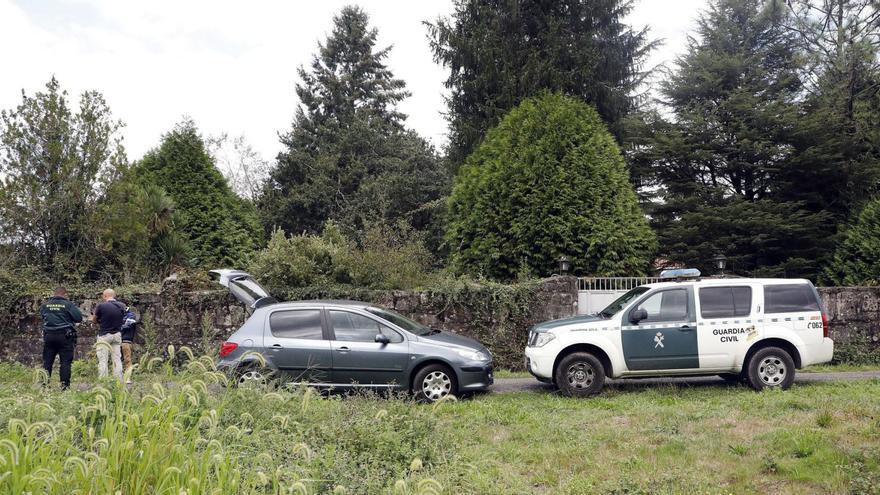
(473, 355)
(542, 339)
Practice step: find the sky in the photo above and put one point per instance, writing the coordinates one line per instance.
(231, 65)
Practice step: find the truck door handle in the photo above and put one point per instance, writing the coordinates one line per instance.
(686, 328)
(343, 349)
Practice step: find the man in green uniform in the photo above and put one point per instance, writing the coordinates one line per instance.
(59, 333)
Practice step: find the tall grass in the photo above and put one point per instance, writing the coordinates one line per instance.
(190, 435)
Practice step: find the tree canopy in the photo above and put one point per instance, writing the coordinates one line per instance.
(548, 181)
(856, 260)
(348, 156)
(500, 52)
(222, 229)
(52, 158)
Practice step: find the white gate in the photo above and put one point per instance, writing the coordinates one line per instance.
(594, 293)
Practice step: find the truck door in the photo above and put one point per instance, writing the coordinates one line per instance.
(728, 323)
(667, 338)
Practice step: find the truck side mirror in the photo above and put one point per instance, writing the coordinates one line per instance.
(638, 315)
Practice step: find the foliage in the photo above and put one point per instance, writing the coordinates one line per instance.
(273, 439)
(221, 228)
(838, 146)
(548, 181)
(501, 52)
(135, 230)
(348, 157)
(388, 258)
(51, 165)
(190, 438)
(856, 260)
(725, 161)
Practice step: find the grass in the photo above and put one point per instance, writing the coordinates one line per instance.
(177, 430)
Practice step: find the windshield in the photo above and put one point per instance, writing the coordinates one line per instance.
(618, 304)
(401, 321)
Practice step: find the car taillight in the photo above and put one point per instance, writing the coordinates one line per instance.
(826, 331)
(226, 348)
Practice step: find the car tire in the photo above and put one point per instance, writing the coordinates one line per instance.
(434, 382)
(770, 367)
(580, 374)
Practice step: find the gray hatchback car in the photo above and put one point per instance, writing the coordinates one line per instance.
(346, 344)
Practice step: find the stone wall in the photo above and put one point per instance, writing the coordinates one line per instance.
(498, 316)
(854, 315)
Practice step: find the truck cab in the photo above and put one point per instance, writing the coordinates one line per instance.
(755, 330)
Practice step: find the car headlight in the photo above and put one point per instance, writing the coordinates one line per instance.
(542, 339)
(473, 355)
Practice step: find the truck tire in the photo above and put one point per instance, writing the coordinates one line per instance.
(770, 367)
(580, 374)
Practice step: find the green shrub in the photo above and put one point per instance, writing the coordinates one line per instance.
(548, 181)
(388, 258)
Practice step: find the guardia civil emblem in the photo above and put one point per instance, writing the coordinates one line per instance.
(658, 340)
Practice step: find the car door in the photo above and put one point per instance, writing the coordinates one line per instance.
(296, 341)
(358, 358)
(667, 338)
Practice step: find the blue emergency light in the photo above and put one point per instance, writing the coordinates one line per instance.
(680, 273)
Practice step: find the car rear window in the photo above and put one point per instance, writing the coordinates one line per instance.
(725, 302)
(789, 298)
(296, 324)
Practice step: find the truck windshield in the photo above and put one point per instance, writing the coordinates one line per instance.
(618, 304)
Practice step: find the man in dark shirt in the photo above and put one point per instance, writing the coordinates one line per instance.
(109, 316)
(59, 333)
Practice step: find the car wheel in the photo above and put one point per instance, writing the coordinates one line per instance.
(252, 376)
(731, 377)
(435, 382)
(580, 374)
(771, 367)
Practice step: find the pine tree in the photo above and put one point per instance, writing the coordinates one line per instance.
(221, 228)
(548, 181)
(723, 160)
(348, 156)
(500, 52)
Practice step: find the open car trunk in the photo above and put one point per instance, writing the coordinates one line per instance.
(243, 286)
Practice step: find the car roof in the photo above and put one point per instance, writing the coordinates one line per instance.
(702, 282)
(327, 302)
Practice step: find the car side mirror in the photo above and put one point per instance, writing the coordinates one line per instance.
(383, 339)
(638, 315)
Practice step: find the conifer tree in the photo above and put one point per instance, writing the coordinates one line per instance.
(348, 156)
(221, 228)
(500, 52)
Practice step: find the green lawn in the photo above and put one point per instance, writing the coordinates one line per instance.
(178, 430)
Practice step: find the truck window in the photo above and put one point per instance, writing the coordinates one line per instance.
(667, 305)
(725, 302)
(789, 298)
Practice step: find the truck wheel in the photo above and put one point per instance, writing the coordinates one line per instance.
(771, 367)
(580, 374)
(434, 382)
